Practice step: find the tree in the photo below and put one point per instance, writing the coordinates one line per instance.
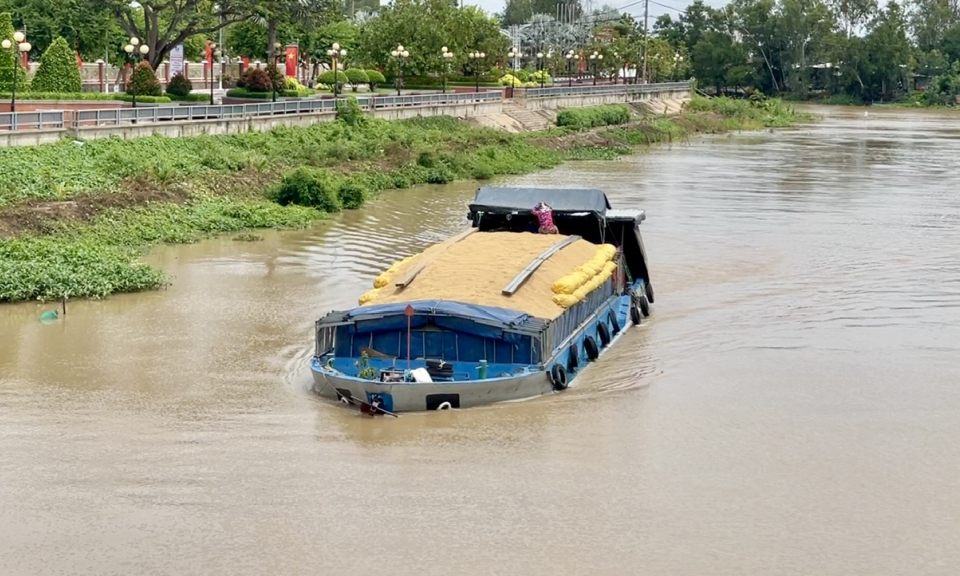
(9, 65)
(85, 30)
(888, 52)
(58, 71)
(162, 24)
(424, 27)
(714, 56)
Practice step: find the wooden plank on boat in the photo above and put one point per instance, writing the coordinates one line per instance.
(419, 268)
(527, 272)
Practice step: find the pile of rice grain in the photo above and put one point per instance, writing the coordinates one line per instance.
(478, 267)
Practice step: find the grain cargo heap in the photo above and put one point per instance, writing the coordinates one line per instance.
(476, 268)
(537, 287)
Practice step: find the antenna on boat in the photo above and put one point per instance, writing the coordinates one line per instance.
(408, 312)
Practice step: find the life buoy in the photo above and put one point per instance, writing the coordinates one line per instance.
(604, 334)
(573, 360)
(558, 376)
(612, 318)
(635, 315)
(644, 306)
(590, 347)
(648, 289)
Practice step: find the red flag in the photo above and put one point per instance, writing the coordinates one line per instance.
(210, 54)
(79, 61)
(291, 61)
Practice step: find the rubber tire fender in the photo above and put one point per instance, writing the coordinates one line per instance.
(604, 333)
(644, 306)
(558, 377)
(648, 290)
(635, 315)
(573, 361)
(590, 347)
(612, 318)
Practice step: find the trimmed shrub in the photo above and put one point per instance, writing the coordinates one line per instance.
(356, 77)
(328, 78)
(9, 65)
(291, 83)
(307, 186)
(374, 77)
(256, 80)
(58, 70)
(144, 80)
(179, 85)
(585, 118)
(510, 80)
(276, 77)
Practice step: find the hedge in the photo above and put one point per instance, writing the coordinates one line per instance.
(85, 96)
(58, 70)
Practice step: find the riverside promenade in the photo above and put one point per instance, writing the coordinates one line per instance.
(37, 127)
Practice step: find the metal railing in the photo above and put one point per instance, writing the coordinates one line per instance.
(38, 120)
(378, 102)
(155, 114)
(556, 91)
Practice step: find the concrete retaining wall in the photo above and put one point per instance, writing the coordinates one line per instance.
(561, 102)
(186, 128)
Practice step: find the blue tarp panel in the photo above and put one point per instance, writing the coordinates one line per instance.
(446, 345)
(431, 307)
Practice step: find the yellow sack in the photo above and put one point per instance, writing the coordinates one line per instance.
(590, 269)
(368, 296)
(607, 251)
(565, 300)
(381, 280)
(569, 283)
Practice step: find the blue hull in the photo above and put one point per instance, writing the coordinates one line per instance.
(467, 387)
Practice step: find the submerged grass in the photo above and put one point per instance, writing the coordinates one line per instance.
(284, 178)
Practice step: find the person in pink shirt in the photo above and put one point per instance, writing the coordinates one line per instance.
(545, 215)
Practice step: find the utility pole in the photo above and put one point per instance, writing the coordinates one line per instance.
(646, 37)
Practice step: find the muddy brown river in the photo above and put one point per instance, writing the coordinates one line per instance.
(792, 406)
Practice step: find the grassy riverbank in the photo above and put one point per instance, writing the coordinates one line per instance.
(75, 217)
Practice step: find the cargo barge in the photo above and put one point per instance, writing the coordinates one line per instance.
(541, 283)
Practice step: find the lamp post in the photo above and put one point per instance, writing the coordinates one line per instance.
(400, 54)
(569, 57)
(595, 58)
(132, 48)
(335, 53)
(512, 55)
(540, 67)
(677, 62)
(20, 46)
(214, 56)
(447, 58)
(477, 57)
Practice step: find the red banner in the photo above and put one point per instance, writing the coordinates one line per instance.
(291, 61)
(209, 55)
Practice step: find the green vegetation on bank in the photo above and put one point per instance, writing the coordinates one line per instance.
(130, 194)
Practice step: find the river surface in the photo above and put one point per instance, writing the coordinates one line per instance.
(791, 407)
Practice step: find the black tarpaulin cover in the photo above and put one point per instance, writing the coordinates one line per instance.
(494, 199)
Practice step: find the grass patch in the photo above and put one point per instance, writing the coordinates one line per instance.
(101, 257)
(757, 112)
